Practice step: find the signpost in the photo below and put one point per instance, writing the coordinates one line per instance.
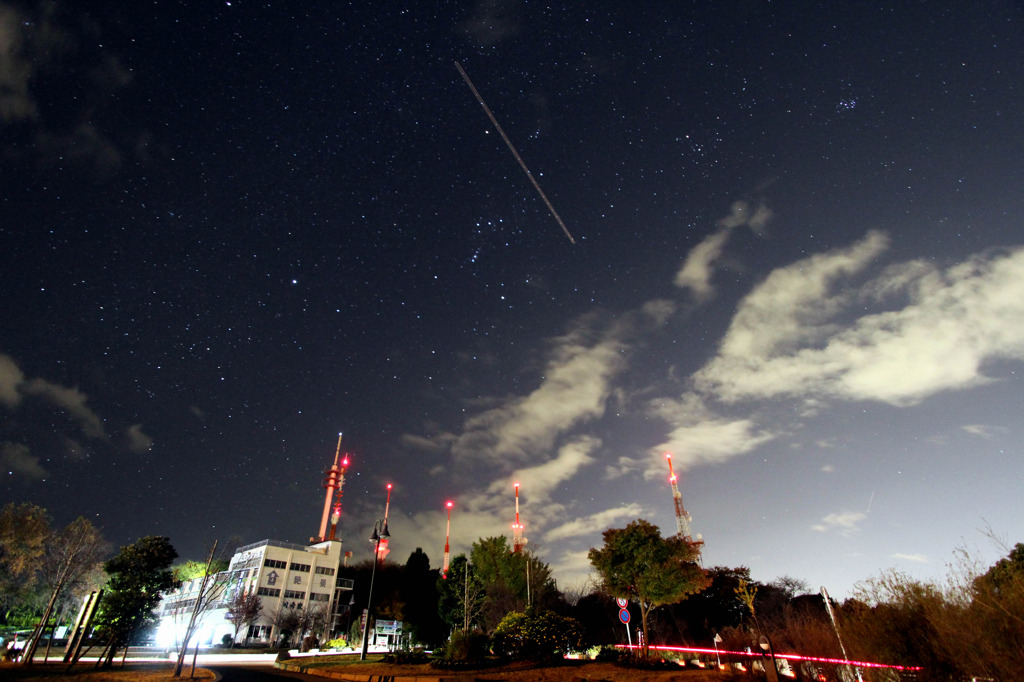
(624, 617)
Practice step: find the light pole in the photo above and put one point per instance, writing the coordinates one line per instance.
(380, 532)
(768, 658)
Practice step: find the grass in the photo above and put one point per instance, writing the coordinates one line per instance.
(519, 671)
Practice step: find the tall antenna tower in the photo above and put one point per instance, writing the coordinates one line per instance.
(447, 535)
(682, 518)
(334, 481)
(517, 528)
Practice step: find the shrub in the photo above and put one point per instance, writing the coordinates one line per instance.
(339, 643)
(519, 635)
(465, 647)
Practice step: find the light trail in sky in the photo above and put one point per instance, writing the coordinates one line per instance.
(522, 164)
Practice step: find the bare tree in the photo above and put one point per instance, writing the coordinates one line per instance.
(69, 556)
(210, 589)
(287, 621)
(243, 610)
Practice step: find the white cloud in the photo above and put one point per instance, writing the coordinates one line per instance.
(16, 67)
(138, 442)
(11, 377)
(574, 570)
(844, 522)
(918, 558)
(696, 272)
(72, 401)
(698, 268)
(595, 523)
(438, 443)
(540, 481)
(699, 437)
(575, 388)
(788, 338)
(16, 459)
(983, 430)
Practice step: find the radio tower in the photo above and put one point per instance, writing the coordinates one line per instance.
(334, 480)
(382, 548)
(447, 535)
(517, 528)
(682, 518)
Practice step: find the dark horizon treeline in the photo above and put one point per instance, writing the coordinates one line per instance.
(969, 625)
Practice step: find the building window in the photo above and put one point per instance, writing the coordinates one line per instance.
(292, 594)
(300, 567)
(324, 570)
(259, 632)
(274, 563)
(316, 596)
(268, 592)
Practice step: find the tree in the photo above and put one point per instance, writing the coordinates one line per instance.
(418, 592)
(243, 610)
(637, 563)
(461, 594)
(24, 530)
(69, 557)
(139, 575)
(188, 570)
(288, 622)
(210, 588)
(516, 581)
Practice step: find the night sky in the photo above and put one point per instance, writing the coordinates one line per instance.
(230, 231)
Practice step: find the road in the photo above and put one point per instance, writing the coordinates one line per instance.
(249, 672)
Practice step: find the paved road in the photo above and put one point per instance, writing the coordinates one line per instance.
(247, 672)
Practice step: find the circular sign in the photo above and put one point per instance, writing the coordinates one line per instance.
(624, 616)
(621, 602)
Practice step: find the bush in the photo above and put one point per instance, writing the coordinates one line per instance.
(406, 658)
(519, 635)
(339, 643)
(465, 647)
(608, 654)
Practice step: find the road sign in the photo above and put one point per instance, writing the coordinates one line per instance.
(621, 602)
(624, 616)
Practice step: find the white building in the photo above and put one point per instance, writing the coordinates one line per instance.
(284, 576)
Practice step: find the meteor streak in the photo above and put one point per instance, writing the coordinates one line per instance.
(515, 153)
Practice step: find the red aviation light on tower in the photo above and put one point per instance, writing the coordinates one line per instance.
(447, 535)
(382, 546)
(517, 528)
(682, 518)
(334, 480)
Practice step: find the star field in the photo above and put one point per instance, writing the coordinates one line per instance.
(229, 232)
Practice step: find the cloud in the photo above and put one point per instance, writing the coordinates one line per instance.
(983, 430)
(16, 67)
(71, 400)
(698, 268)
(138, 442)
(844, 522)
(789, 335)
(18, 461)
(696, 272)
(11, 377)
(540, 480)
(438, 443)
(575, 386)
(595, 523)
(698, 436)
(919, 558)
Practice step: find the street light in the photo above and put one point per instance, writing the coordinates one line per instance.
(380, 532)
